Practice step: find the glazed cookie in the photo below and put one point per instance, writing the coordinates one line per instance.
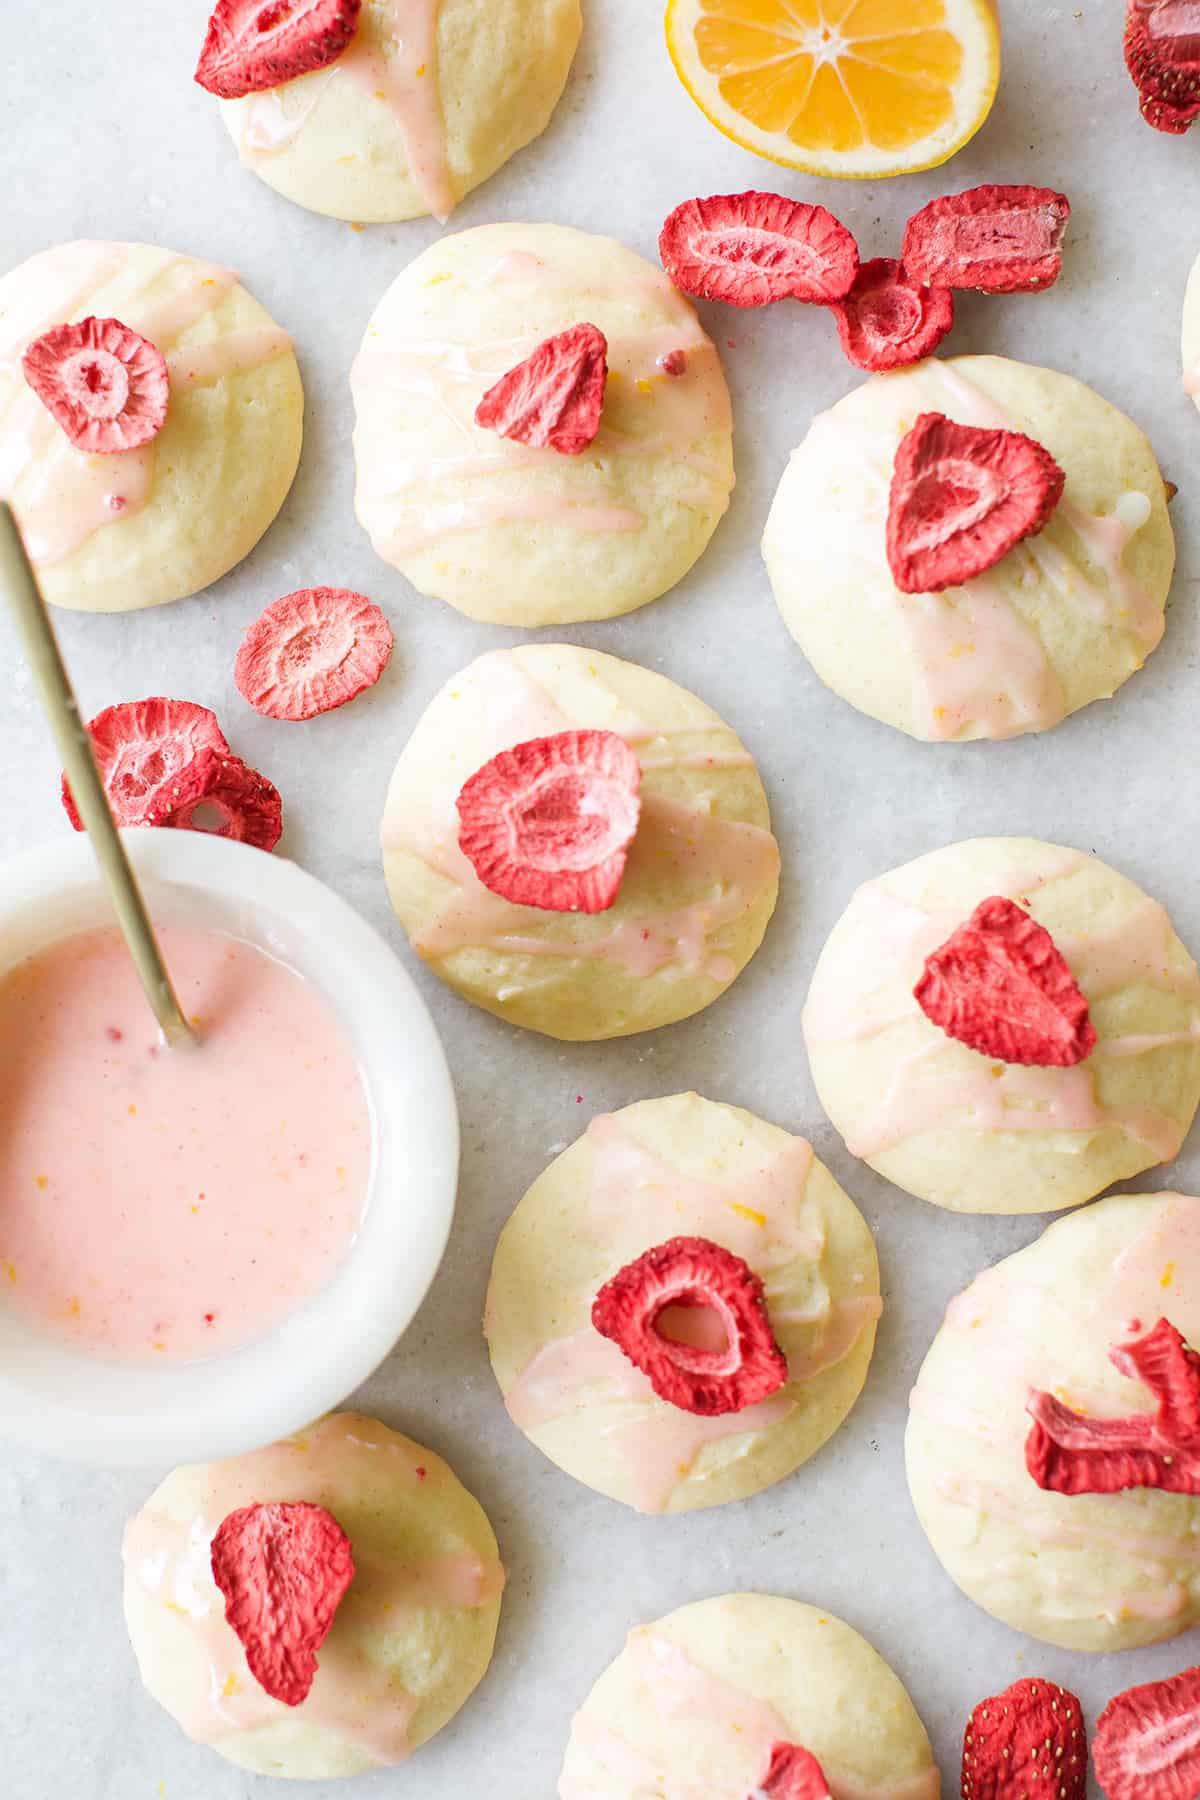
(719, 1695)
(1085, 1564)
(429, 99)
(161, 520)
(1063, 619)
(1191, 334)
(411, 1637)
(1036, 1069)
(513, 532)
(702, 873)
(657, 1172)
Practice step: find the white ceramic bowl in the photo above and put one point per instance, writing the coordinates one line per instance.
(57, 1399)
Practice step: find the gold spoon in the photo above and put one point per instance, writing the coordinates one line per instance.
(19, 585)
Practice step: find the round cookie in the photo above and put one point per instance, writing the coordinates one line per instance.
(1062, 620)
(662, 1169)
(410, 1641)
(110, 533)
(428, 101)
(696, 1702)
(1191, 334)
(506, 532)
(703, 870)
(1087, 1571)
(962, 1129)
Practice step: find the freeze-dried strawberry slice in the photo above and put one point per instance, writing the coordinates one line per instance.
(888, 320)
(999, 985)
(283, 1569)
(549, 823)
(1001, 240)
(552, 400)
(753, 249)
(105, 385)
(1069, 1453)
(693, 1272)
(1147, 1742)
(255, 44)
(1162, 53)
(218, 793)
(1028, 1743)
(312, 651)
(961, 498)
(792, 1773)
(141, 744)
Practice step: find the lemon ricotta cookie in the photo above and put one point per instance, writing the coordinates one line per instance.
(419, 1582)
(517, 532)
(1055, 1045)
(700, 870)
(139, 526)
(1064, 618)
(1057, 1483)
(780, 1344)
(740, 1693)
(426, 101)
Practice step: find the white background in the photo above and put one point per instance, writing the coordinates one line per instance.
(102, 134)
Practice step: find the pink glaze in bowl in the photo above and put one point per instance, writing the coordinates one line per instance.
(63, 1401)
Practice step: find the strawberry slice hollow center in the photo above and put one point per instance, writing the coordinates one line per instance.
(549, 822)
(725, 1358)
(951, 498)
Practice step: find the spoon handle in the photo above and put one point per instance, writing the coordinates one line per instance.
(19, 585)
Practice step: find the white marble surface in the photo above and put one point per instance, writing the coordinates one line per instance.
(103, 134)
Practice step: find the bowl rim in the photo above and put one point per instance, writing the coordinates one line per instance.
(59, 1400)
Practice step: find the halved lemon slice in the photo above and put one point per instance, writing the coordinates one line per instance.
(859, 88)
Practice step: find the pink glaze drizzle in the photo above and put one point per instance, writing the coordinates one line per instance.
(453, 377)
(66, 495)
(995, 1096)
(352, 1696)
(688, 1696)
(1157, 1273)
(392, 58)
(762, 1217)
(729, 862)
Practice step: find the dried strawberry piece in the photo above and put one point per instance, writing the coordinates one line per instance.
(1001, 240)
(1028, 1743)
(792, 1773)
(1147, 1742)
(139, 745)
(1069, 1453)
(218, 793)
(753, 249)
(888, 320)
(693, 1272)
(552, 400)
(961, 498)
(999, 985)
(312, 651)
(105, 385)
(283, 1569)
(255, 44)
(1162, 53)
(549, 822)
